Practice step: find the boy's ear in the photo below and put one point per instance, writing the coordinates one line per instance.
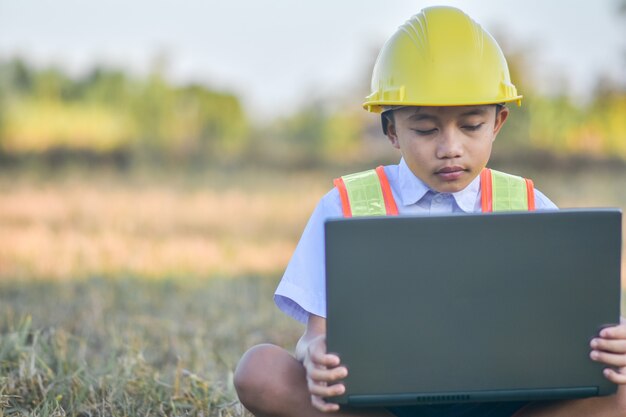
(392, 134)
(501, 117)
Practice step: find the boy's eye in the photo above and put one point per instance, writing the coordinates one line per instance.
(473, 127)
(425, 132)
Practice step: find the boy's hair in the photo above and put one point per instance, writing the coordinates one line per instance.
(387, 117)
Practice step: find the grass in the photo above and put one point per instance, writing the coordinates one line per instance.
(77, 226)
(135, 295)
(131, 347)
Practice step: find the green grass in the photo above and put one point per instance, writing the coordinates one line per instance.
(131, 347)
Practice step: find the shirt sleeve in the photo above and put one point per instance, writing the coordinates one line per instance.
(542, 202)
(302, 289)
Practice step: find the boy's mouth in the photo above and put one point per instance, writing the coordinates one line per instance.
(450, 173)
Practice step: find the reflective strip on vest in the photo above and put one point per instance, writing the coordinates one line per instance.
(368, 193)
(505, 192)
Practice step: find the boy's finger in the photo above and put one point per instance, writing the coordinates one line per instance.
(614, 332)
(614, 376)
(328, 375)
(323, 405)
(611, 359)
(325, 359)
(609, 345)
(326, 390)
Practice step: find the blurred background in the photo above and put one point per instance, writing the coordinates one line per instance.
(159, 160)
(277, 83)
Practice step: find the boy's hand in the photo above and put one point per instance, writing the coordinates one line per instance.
(322, 370)
(610, 348)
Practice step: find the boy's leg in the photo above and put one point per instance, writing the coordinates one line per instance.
(271, 382)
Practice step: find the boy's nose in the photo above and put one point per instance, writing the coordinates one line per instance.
(449, 146)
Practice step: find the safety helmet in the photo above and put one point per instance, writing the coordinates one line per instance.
(440, 57)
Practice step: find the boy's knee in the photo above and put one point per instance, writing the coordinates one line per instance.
(250, 366)
(255, 377)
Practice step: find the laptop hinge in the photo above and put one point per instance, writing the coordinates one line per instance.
(472, 396)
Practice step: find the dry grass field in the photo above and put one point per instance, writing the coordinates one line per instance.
(136, 294)
(106, 226)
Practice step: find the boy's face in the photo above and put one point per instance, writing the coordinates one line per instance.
(446, 147)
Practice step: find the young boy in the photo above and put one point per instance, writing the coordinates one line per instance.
(440, 83)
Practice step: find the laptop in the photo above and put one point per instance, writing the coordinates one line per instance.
(471, 307)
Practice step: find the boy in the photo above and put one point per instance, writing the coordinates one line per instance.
(440, 83)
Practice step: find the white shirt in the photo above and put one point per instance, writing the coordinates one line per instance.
(302, 290)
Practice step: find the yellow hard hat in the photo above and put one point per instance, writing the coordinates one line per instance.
(440, 57)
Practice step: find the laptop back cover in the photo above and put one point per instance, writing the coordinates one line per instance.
(475, 307)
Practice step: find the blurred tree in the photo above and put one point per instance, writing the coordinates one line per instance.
(206, 124)
(51, 85)
(520, 57)
(621, 10)
(150, 113)
(15, 77)
(107, 111)
(305, 132)
(343, 134)
(107, 86)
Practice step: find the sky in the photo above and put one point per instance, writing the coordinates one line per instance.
(277, 55)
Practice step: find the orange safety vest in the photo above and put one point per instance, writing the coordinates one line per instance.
(368, 193)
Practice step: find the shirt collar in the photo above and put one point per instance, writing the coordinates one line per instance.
(467, 197)
(413, 189)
